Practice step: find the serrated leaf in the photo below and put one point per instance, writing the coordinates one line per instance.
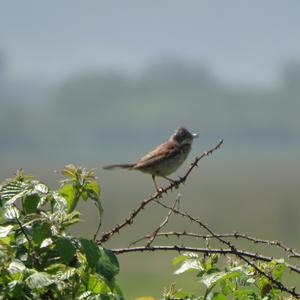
(67, 273)
(16, 197)
(40, 187)
(16, 266)
(5, 230)
(12, 190)
(59, 201)
(11, 212)
(39, 280)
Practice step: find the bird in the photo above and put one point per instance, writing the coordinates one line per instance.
(165, 159)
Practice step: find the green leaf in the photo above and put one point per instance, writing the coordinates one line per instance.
(4, 243)
(11, 212)
(93, 188)
(210, 281)
(30, 203)
(68, 191)
(97, 285)
(178, 259)
(278, 269)
(189, 265)
(40, 187)
(40, 232)
(108, 264)
(16, 288)
(104, 261)
(68, 273)
(91, 251)
(39, 280)
(12, 191)
(209, 264)
(65, 249)
(16, 266)
(71, 218)
(85, 195)
(184, 256)
(5, 230)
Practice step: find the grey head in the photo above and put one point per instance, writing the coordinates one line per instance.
(183, 136)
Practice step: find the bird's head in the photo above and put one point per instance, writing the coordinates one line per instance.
(183, 136)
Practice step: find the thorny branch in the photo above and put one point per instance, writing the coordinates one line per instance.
(249, 258)
(129, 220)
(179, 248)
(291, 253)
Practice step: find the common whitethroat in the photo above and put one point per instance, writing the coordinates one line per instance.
(165, 158)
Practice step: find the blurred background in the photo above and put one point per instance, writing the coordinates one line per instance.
(98, 82)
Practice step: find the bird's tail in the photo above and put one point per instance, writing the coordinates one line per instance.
(122, 166)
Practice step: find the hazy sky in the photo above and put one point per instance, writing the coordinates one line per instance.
(241, 40)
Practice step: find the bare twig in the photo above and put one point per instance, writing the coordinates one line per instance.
(129, 220)
(153, 235)
(235, 235)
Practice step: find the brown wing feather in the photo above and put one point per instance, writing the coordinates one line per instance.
(161, 151)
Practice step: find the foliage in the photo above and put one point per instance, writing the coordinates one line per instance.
(39, 259)
(235, 281)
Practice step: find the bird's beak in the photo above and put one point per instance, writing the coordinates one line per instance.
(195, 135)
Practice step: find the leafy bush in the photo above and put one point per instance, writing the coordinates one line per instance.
(39, 259)
(235, 281)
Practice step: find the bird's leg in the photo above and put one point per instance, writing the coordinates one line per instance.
(155, 184)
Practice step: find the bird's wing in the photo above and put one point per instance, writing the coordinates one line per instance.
(165, 150)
